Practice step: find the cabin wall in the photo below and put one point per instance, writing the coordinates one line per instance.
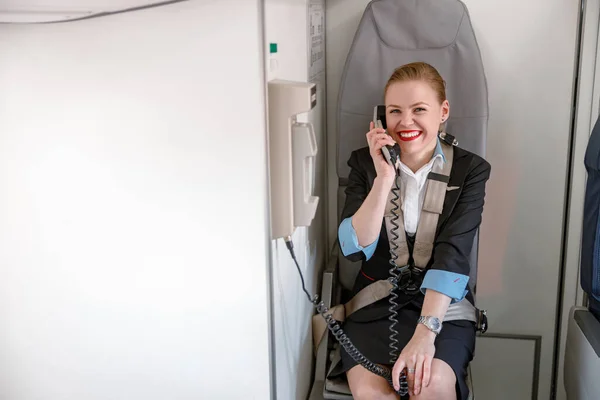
(288, 23)
(530, 75)
(133, 218)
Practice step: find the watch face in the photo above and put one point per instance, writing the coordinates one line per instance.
(435, 323)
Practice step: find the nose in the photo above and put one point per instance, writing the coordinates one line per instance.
(406, 120)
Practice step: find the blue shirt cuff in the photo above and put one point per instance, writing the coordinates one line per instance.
(451, 284)
(349, 240)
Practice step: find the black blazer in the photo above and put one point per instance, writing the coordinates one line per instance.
(457, 225)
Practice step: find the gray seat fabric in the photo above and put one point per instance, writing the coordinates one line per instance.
(396, 32)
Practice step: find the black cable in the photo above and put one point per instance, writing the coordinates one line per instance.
(290, 246)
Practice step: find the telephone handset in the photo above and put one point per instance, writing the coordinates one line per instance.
(389, 152)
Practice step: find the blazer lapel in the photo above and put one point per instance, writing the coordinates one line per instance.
(455, 187)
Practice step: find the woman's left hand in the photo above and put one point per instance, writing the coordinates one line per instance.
(416, 357)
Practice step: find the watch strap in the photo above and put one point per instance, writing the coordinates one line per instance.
(432, 323)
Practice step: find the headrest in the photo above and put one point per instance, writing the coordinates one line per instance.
(396, 32)
(430, 25)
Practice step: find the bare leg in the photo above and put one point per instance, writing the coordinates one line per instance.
(365, 385)
(442, 385)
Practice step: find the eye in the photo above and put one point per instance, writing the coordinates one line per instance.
(395, 111)
(420, 109)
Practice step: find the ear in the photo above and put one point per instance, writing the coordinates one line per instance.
(445, 111)
(444, 117)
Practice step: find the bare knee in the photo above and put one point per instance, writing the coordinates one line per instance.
(369, 392)
(365, 385)
(440, 387)
(442, 384)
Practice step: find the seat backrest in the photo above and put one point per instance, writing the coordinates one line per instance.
(590, 240)
(396, 32)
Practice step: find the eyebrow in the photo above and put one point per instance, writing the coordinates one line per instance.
(414, 105)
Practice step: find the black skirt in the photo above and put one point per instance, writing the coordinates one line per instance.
(454, 345)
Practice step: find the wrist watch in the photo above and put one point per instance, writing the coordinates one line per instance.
(432, 323)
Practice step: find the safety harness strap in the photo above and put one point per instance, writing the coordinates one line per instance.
(433, 204)
(368, 295)
(374, 292)
(435, 193)
(462, 310)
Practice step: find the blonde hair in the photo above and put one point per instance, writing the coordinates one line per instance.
(419, 71)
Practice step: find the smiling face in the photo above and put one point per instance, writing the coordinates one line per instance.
(414, 113)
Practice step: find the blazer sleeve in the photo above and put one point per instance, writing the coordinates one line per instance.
(449, 272)
(356, 193)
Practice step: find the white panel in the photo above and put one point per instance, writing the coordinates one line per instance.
(286, 23)
(529, 68)
(503, 368)
(133, 245)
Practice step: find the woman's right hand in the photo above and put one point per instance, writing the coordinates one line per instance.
(377, 138)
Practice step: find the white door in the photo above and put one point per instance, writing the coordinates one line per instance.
(121, 202)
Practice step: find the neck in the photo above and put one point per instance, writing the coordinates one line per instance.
(416, 161)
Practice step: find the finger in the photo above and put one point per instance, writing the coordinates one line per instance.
(410, 376)
(419, 375)
(377, 146)
(384, 140)
(377, 132)
(398, 367)
(427, 371)
(383, 134)
(377, 141)
(370, 139)
(410, 380)
(374, 133)
(371, 126)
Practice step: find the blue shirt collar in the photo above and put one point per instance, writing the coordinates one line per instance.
(438, 150)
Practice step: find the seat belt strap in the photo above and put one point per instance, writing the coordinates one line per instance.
(433, 204)
(372, 293)
(368, 295)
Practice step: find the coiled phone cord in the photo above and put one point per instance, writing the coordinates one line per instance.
(394, 273)
(341, 337)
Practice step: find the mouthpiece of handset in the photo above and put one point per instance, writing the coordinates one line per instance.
(403, 388)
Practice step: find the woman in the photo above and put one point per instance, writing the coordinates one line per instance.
(435, 362)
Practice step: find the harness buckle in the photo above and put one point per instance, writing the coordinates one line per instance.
(402, 278)
(408, 279)
(482, 321)
(448, 138)
(415, 280)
